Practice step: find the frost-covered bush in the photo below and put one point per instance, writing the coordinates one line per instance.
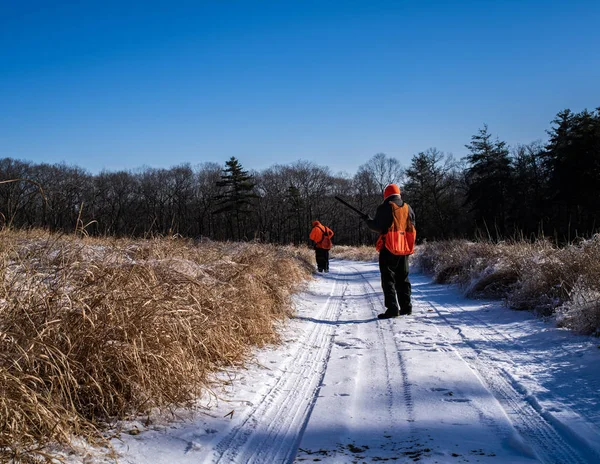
(479, 268)
(536, 276)
(582, 311)
(540, 284)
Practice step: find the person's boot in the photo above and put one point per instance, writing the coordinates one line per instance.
(387, 315)
(406, 311)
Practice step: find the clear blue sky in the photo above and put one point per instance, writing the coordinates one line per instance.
(118, 85)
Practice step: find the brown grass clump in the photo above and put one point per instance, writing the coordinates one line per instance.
(304, 254)
(93, 330)
(357, 253)
(581, 311)
(537, 276)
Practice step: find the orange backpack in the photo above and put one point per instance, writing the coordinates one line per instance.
(325, 242)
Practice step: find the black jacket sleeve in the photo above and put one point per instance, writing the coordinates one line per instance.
(383, 218)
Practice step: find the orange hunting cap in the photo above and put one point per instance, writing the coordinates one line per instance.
(391, 189)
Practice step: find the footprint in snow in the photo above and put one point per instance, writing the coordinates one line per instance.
(192, 446)
(348, 345)
(341, 382)
(348, 356)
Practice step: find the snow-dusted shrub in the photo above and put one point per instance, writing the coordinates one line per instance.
(582, 311)
(548, 275)
(444, 259)
(495, 281)
(540, 285)
(537, 276)
(581, 262)
(479, 268)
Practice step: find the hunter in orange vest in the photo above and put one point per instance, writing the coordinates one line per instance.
(321, 237)
(395, 223)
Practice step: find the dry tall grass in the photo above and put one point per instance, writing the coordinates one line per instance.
(93, 330)
(538, 276)
(360, 253)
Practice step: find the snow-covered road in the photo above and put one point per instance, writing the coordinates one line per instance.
(458, 381)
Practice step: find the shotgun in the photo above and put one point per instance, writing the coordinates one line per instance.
(362, 215)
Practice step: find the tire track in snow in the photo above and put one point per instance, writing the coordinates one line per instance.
(550, 445)
(499, 340)
(393, 361)
(519, 353)
(272, 430)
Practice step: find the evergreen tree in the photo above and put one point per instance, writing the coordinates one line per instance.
(489, 174)
(529, 189)
(420, 181)
(573, 162)
(235, 199)
(434, 194)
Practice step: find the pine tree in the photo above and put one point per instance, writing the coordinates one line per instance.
(235, 199)
(530, 189)
(434, 195)
(573, 161)
(489, 175)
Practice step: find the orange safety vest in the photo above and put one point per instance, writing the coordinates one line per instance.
(400, 237)
(324, 239)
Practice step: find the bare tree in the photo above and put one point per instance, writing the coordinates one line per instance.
(313, 183)
(115, 194)
(68, 190)
(276, 210)
(206, 177)
(382, 170)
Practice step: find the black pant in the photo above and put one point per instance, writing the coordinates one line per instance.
(395, 282)
(322, 257)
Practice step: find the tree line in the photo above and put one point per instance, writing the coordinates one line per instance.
(497, 191)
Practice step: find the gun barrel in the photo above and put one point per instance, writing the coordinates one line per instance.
(350, 206)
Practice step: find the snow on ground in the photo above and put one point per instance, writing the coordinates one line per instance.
(458, 381)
